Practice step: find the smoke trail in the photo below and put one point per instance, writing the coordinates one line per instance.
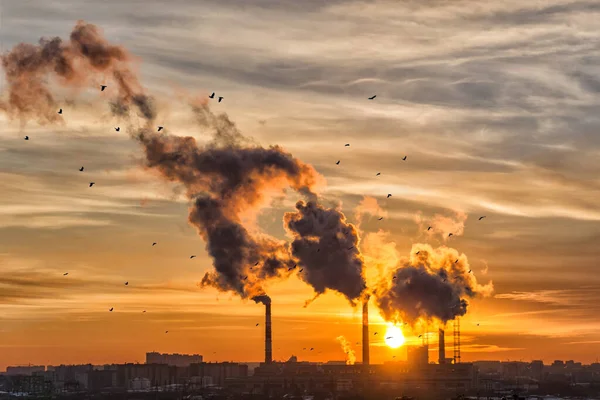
(327, 247)
(86, 55)
(225, 179)
(432, 284)
(350, 356)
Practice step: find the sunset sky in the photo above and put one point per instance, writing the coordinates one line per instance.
(495, 105)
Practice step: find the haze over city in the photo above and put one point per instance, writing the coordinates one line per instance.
(492, 105)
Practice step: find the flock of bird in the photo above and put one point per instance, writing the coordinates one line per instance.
(220, 98)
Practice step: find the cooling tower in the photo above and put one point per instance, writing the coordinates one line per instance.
(442, 348)
(268, 341)
(365, 332)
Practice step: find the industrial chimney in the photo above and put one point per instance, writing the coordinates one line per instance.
(365, 331)
(266, 300)
(442, 348)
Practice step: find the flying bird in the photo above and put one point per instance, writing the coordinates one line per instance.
(480, 218)
(65, 274)
(456, 261)
(450, 234)
(350, 248)
(429, 228)
(389, 195)
(389, 337)
(379, 173)
(393, 278)
(318, 250)
(375, 334)
(256, 324)
(92, 184)
(380, 218)
(166, 331)
(102, 88)
(470, 270)
(144, 311)
(371, 98)
(60, 111)
(26, 137)
(418, 252)
(347, 144)
(192, 257)
(477, 324)
(420, 335)
(126, 283)
(112, 308)
(301, 269)
(404, 159)
(212, 96)
(81, 169)
(220, 98)
(117, 129)
(312, 348)
(154, 244)
(160, 128)
(338, 163)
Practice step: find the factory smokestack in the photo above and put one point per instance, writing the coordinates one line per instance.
(266, 300)
(442, 348)
(268, 341)
(365, 331)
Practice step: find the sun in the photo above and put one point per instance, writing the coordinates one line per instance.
(394, 337)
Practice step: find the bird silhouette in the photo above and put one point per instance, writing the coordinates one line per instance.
(429, 228)
(389, 195)
(102, 88)
(456, 261)
(404, 159)
(480, 218)
(60, 111)
(256, 263)
(418, 252)
(350, 248)
(166, 331)
(160, 128)
(212, 96)
(389, 337)
(117, 129)
(301, 269)
(154, 244)
(420, 335)
(375, 334)
(347, 144)
(65, 274)
(379, 173)
(477, 324)
(256, 324)
(192, 257)
(144, 311)
(126, 283)
(26, 137)
(450, 234)
(470, 271)
(220, 98)
(338, 163)
(312, 348)
(393, 278)
(81, 169)
(371, 98)
(318, 250)
(380, 218)
(92, 184)
(112, 308)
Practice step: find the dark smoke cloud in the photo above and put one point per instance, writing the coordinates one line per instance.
(263, 298)
(327, 247)
(428, 285)
(227, 178)
(86, 55)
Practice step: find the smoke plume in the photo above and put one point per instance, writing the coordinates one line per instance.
(87, 55)
(262, 298)
(434, 284)
(350, 356)
(327, 247)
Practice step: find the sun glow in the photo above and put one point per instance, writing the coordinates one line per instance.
(394, 337)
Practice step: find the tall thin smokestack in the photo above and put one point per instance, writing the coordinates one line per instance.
(442, 348)
(365, 332)
(268, 341)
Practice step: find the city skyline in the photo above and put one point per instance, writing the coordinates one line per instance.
(493, 106)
